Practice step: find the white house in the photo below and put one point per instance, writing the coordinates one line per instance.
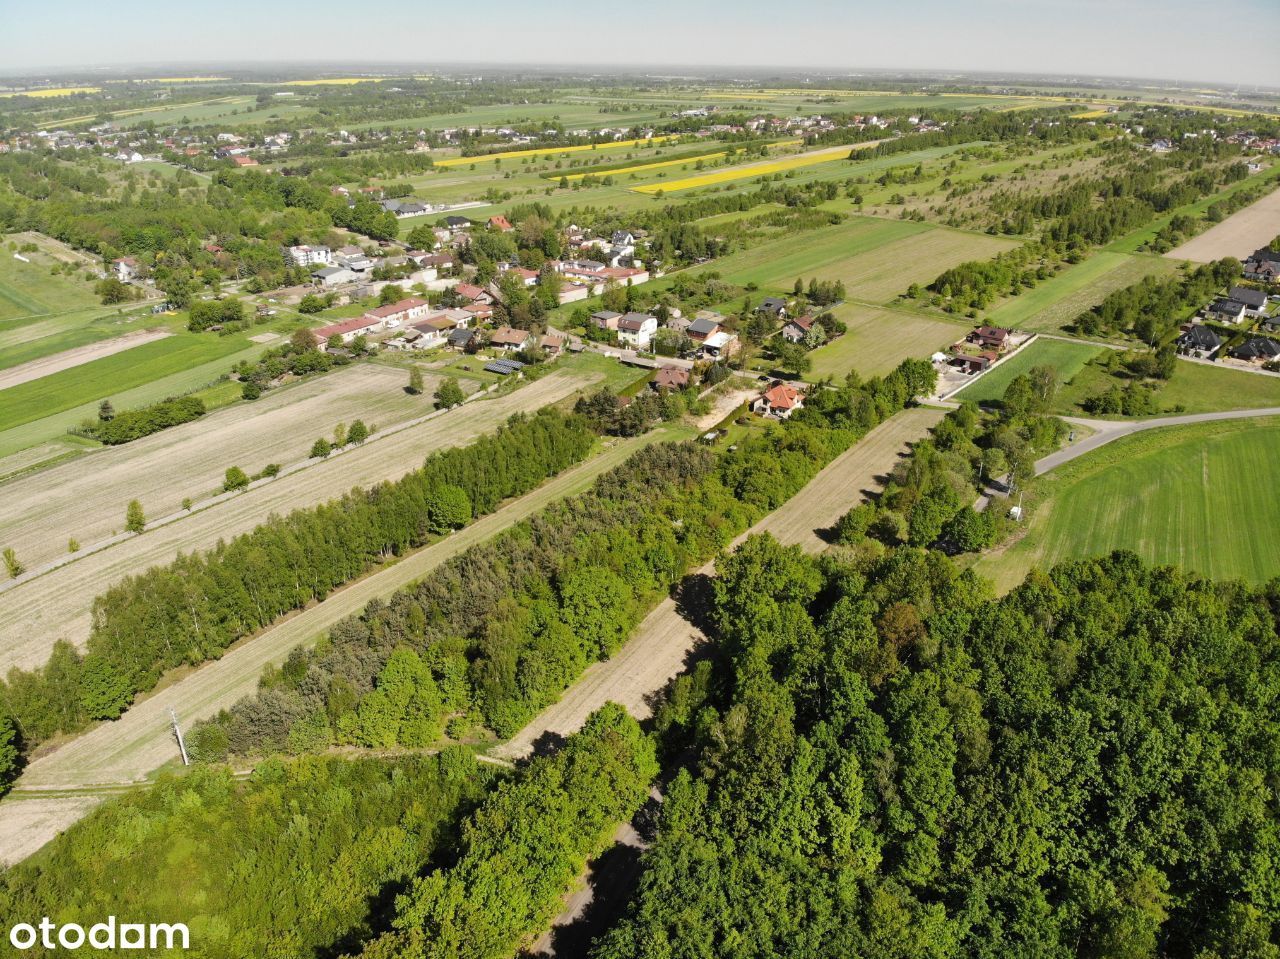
(310, 255)
(637, 329)
(126, 268)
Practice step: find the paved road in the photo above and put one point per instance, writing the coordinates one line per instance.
(1106, 431)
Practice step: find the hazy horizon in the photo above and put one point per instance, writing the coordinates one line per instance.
(1177, 40)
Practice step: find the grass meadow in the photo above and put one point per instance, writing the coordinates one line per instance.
(1199, 496)
(1067, 358)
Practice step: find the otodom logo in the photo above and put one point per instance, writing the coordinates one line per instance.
(100, 936)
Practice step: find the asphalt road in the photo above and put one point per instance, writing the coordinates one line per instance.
(1106, 431)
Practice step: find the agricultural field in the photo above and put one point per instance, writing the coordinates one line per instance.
(1054, 304)
(57, 604)
(1068, 358)
(765, 168)
(29, 289)
(1237, 236)
(878, 340)
(110, 377)
(86, 498)
(548, 151)
(1190, 495)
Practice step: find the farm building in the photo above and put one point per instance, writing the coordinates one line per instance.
(348, 330)
(403, 311)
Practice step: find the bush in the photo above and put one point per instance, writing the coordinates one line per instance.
(130, 425)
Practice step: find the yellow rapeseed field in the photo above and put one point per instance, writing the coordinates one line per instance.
(337, 81)
(1090, 115)
(752, 170)
(644, 166)
(460, 161)
(54, 92)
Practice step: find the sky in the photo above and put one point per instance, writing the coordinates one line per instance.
(1186, 40)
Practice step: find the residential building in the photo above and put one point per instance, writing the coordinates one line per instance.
(310, 255)
(505, 339)
(348, 330)
(1199, 341)
(126, 268)
(1257, 350)
(1255, 301)
(670, 378)
(780, 401)
(1264, 266)
(774, 306)
(400, 312)
(703, 327)
(798, 328)
(1226, 311)
(606, 319)
(720, 345)
(500, 222)
(637, 329)
(990, 337)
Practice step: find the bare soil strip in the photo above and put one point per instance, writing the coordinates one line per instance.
(34, 614)
(658, 649)
(48, 365)
(1237, 236)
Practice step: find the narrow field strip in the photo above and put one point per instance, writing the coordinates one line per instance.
(546, 151)
(65, 360)
(755, 169)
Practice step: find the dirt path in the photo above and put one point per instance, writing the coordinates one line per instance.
(56, 605)
(722, 405)
(65, 360)
(1237, 236)
(137, 744)
(658, 648)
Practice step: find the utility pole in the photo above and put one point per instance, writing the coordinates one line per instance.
(177, 732)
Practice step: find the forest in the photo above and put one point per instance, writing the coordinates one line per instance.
(498, 632)
(883, 760)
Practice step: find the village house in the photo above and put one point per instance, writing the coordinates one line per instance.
(606, 319)
(1264, 266)
(780, 401)
(527, 277)
(126, 268)
(798, 328)
(1257, 350)
(456, 223)
(703, 327)
(464, 340)
(670, 378)
(348, 330)
(1255, 301)
(480, 311)
(1199, 341)
(1226, 311)
(774, 306)
(243, 161)
(989, 337)
(505, 339)
(501, 223)
(553, 344)
(473, 293)
(399, 313)
(637, 329)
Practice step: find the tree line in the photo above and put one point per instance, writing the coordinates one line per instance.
(192, 609)
(501, 630)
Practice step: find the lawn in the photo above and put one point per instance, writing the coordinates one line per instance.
(1055, 303)
(1197, 496)
(878, 340)
(1065, 357)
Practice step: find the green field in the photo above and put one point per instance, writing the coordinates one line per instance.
(1198, 496)
(1067, 358)
(117, 375)
(1055, 303)
(878, 340)
(1194, 388)
(28, 289)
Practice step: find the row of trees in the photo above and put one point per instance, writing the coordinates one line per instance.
(1152, 309)
(192, 609)
(500, 630)
(884, 760)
